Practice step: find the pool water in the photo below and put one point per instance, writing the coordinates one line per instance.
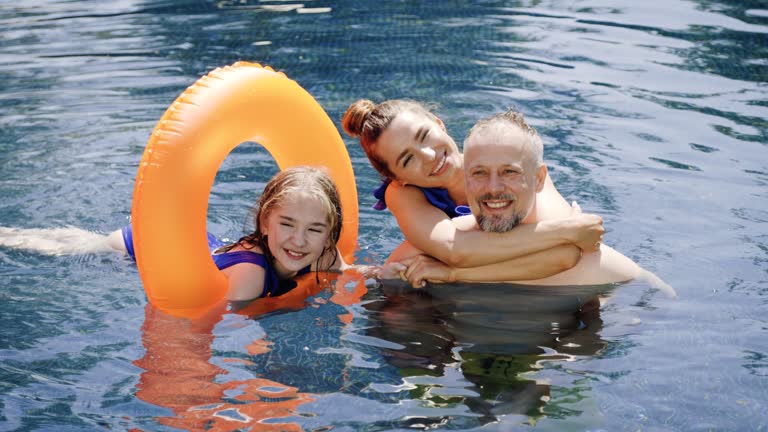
(654, 115)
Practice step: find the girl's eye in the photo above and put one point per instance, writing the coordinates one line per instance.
(407, 159)
(316, 230)
(285, 224)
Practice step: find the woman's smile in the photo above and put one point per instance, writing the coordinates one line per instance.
(437, 170)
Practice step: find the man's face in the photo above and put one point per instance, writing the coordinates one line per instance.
(502, 178)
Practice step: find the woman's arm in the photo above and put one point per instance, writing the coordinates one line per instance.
(422, 268)
(433, 232)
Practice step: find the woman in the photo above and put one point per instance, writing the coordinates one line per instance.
(424, 188)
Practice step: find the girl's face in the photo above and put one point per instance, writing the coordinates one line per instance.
(297, 233)
(418, 151)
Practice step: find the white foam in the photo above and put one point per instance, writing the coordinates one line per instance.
(55, 241)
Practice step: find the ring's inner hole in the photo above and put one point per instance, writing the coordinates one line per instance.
(238, 185)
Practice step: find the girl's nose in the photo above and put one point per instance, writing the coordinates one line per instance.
(299, 238)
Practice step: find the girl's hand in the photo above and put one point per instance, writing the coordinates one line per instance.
(392, 270)
(423, 268)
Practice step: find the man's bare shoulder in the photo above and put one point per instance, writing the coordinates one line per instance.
(466, 223)
(604, 266)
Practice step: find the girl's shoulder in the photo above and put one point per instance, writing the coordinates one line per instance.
(248, 247)
(239, 247)
(246, 282)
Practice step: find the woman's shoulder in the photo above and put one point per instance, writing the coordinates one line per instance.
(412, 199)
(397, 193)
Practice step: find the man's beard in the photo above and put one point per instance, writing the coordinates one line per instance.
(498, 225)
(495, 223)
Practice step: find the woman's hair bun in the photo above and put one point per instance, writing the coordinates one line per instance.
(354, 118)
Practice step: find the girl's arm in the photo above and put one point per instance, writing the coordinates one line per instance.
(331, 260)
(246, 282)
(367, 271)
(423, 268)
(433, 232)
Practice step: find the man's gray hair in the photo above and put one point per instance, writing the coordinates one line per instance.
(503, 120)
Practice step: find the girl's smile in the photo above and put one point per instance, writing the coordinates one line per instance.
(297, 234)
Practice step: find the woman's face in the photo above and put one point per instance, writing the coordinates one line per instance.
(418, 151)
(297, 233)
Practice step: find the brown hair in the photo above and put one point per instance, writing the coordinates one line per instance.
(291, 181)
(368, 120)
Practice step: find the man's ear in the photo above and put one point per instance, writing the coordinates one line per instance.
(541, 177)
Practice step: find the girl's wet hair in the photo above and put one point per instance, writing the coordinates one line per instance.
(311, 181)
(367, 120)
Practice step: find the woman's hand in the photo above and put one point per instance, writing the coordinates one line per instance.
(588, 229)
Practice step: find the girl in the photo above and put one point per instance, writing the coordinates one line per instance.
(297, 224)
(424, 188)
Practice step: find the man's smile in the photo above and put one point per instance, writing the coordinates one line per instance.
(497, 204)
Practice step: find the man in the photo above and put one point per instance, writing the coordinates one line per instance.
(504, 170)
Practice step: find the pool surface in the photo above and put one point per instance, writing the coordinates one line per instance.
(654, 115)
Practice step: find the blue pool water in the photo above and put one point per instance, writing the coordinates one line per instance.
(654, 115)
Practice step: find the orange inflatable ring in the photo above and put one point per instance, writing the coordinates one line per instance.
(230, 105)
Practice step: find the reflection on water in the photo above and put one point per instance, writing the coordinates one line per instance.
(443, 347)
(489, 337)
(180, 375)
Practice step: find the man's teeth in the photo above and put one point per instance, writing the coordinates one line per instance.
(496, 205)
